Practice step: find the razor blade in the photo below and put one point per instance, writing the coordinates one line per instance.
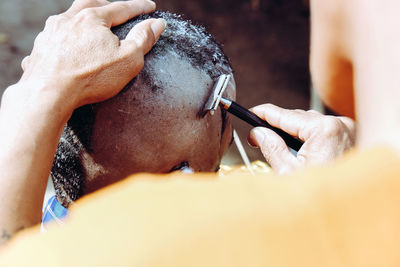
(242, 113)
(220, 86)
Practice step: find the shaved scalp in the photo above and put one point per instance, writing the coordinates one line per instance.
(190, 42)
(181, 38)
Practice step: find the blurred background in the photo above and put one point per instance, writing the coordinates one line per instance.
(267, 42)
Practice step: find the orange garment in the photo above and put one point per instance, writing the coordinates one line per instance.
(345, 214)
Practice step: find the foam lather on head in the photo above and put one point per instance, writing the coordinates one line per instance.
(190, 42)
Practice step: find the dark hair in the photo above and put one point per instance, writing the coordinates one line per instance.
(189, 42)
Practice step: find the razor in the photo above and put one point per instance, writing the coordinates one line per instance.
(215, 100)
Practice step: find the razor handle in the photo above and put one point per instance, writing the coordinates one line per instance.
(256, 121)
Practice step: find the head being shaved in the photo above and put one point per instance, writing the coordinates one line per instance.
(153, 124)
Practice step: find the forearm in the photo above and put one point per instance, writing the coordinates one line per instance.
(63, 72)
(31, 121)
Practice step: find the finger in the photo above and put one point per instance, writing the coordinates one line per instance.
(294, 122)
(314, 112)
(78, 5)
(273, 148)
(350, 124)
(117, 13)
(143, 35)
(25, 62)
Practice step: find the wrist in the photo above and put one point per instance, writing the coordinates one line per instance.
(38, 97)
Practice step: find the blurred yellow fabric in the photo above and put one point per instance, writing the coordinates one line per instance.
(345, 214)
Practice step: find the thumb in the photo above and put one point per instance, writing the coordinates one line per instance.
(274, 149)
(144, 35)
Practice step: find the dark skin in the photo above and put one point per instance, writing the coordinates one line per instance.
(171, 129)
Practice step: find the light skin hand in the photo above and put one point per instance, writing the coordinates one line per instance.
(324, 137)
(75, 60)
(79, 47)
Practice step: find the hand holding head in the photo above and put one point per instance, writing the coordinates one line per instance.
(79, 47)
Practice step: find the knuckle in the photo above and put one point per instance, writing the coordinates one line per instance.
(267, 106)
(86, 14)
(100, 2)
(144, 37)
(25, 62)
(85, 2)
(114, 39)
(55, 20)
(262, 109)
(276, 149)
(51, 20)
(269, 152)
(347, 121)
(299, 112)
(92, 2)
(96, 3)
(313, 114)
(313, 111)
(38, 38)
(269, 149)
(332, 125)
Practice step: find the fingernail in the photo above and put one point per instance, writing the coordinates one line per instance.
(158, 26)
(251, 143)
(258, 135)
(152, 3)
